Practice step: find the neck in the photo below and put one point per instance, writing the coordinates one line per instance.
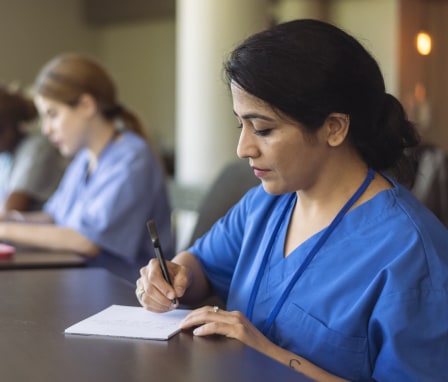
(102, 134)
(334, 186)
(317, 206)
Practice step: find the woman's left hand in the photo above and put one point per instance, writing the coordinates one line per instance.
(211, 320)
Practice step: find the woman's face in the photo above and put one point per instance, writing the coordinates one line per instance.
(282, 155)
(64, 125)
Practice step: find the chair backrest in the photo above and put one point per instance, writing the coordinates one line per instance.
(431, 183)
(228, 188)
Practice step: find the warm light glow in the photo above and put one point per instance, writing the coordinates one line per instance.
(424, 43)
(420, 92)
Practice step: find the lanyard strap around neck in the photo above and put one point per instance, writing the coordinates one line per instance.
(274, 313)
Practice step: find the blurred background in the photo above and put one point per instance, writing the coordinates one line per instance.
(166, 57)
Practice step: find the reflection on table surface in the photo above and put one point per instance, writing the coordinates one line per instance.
(37, 305)
(30, 258)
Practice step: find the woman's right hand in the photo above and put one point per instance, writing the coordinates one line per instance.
(157, 295)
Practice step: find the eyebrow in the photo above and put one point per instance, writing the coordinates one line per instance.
(254, 116)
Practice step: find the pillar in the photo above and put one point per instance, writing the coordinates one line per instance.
(206, 133)
(206, 32)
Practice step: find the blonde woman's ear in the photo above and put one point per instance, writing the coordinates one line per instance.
(87, 104)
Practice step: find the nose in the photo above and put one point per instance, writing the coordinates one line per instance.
(246, 145)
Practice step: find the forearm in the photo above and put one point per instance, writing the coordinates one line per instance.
(37, 217)
(199, 287)
(299, 364)
(47, 236)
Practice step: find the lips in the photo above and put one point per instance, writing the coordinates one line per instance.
(260, 172)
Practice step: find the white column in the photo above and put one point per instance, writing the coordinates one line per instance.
(206, 133)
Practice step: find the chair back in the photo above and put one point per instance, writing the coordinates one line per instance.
(228, 188)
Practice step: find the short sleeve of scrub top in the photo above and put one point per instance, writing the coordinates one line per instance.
(112, 206)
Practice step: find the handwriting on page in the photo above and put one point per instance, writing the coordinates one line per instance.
(132, 322)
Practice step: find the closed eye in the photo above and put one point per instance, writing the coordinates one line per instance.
(262, 133)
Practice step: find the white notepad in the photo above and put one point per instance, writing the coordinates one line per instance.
(130, 322)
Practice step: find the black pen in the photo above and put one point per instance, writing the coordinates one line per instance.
(151, 225)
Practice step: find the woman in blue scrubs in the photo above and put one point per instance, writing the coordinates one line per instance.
(114, 184)
(330, 266)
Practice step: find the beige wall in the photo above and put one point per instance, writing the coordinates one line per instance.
(141, 58)
(375, 23)
(33, 31)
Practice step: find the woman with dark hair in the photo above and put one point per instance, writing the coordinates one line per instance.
(329, 266)
(115, 182)
(30, 166)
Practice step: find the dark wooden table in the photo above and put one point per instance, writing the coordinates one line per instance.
(26, 258)
(36, 306)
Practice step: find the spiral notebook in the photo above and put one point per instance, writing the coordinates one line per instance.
(130, 322)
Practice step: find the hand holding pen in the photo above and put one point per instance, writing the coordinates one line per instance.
(155, 289)
(159, 253)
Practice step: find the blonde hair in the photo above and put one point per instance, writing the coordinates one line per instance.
(67, 77)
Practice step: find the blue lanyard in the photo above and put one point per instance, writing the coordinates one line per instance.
(274, 313)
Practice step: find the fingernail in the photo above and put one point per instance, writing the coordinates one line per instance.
(171, 295)
(197, 331)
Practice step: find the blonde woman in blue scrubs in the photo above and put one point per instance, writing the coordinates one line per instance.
(330, 266)
(113, 185)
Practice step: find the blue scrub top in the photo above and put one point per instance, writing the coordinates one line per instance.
(112, 205)
(372, 304)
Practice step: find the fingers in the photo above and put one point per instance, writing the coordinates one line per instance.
(208, 320)
(211, 320)
(158, 294)
(208, 314)
(152, 299)
(154, 292)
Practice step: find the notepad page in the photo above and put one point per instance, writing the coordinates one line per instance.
(130, 322)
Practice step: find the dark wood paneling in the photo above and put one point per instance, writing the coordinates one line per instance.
(430, 71)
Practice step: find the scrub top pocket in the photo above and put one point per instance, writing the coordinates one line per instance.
(306, 336)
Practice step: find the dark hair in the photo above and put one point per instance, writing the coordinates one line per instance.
(15, 108)
(309, 69)
(66, 77)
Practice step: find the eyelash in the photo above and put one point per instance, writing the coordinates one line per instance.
(261, 133)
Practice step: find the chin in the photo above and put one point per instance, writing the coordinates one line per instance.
(274, 189)
(66, 151)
